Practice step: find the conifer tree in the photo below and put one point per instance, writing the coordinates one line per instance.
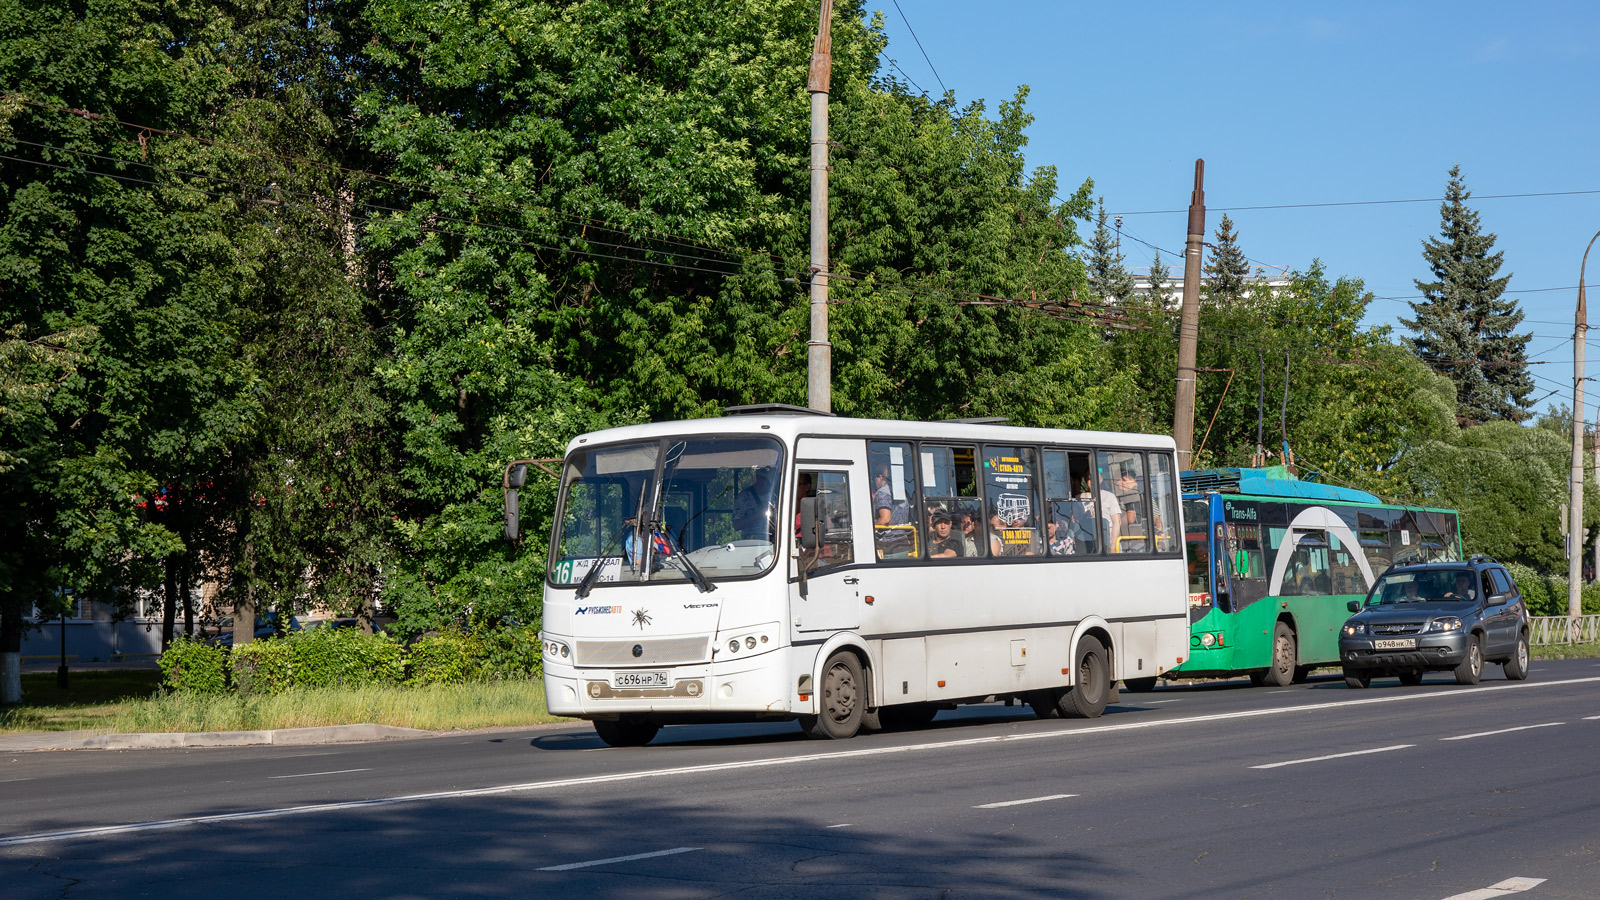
(1159, 273)
(1465, 326)
(1228, 273)
(1107, 275)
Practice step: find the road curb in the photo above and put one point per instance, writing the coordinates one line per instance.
(288, 737)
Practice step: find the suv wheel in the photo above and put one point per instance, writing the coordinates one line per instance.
(1471, 668)
(1357, 678)
(1517, 666)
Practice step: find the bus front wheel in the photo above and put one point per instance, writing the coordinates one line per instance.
(842, 700)
(1091, 683)
(626, 732)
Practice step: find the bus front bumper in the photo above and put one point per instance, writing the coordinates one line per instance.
(752, 687)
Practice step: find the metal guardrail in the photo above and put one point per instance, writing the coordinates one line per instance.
(1565, 630)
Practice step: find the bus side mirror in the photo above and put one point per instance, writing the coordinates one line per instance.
(513, 526)
(808, 523)
(517, 475)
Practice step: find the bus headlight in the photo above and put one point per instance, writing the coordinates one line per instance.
(749, 643)
(554, 649)
(733, 646)
(1208, 639)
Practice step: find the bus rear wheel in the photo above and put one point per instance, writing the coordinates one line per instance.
(1091, 683)
(626, 732)
(842, 700)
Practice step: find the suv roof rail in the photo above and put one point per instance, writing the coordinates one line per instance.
(1482, 557)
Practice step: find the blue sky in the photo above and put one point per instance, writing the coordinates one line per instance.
(1291, 103)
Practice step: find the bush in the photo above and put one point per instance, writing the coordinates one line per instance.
(344, 657)
(264, 666)
(512, 654)
(1546, 595)
(190, 667)
(445, 657)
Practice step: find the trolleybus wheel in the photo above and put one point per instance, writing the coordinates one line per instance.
(1357, 678)
(626, 732)
(1140, 685)
(1471, 668)
(1091, 684)
(843, 699)
(1281, 672)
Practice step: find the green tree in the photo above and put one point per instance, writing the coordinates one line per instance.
(1159, 275)
(1227, 275)
(1465, 326)
(1108, 277)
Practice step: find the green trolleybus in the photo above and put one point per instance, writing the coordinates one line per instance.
(1273, 560)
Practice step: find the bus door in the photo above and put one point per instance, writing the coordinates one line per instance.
(826, 579)
(1202, 558)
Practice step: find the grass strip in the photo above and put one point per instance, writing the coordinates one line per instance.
(119, 703)
(1565, 651)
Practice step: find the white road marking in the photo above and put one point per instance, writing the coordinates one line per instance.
(618, 859)
(1284, 691)
(1462, 737)
(1296, 762)
(1590, 718)
(1020, 802)
(1174, 700)
(834, 756)
(310, 774)
(844, 825)
(1503, 889)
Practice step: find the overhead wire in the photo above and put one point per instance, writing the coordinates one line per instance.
(919, 46)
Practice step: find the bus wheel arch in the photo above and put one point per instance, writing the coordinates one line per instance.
(843, 682)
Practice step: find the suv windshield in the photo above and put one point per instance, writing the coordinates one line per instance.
(660, 510)
(1424, 585)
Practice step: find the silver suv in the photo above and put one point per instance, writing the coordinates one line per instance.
(1437, 617)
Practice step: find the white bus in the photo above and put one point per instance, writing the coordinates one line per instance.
(847, 573)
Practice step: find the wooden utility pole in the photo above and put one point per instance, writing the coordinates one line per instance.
(819, 353)
(1189, 322)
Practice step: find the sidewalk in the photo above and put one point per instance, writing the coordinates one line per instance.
(285, 737)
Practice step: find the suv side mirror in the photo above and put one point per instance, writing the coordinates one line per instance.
(1353, 606)
(808, 523)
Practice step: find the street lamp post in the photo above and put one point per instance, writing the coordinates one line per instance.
(1575, 526)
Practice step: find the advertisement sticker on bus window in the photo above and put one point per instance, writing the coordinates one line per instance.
(930, 478)
(897, 473)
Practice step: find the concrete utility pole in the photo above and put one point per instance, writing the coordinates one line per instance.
(819, 353)
(1189, 327)
(1575, 504)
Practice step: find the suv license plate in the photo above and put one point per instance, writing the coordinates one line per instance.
(1396, 644)
(639, 679)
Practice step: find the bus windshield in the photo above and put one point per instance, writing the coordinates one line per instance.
(659, 510)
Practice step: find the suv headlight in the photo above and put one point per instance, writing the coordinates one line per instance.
(1351, 629)
(1445, 623)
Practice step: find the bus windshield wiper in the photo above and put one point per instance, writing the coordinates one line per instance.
(682, 561)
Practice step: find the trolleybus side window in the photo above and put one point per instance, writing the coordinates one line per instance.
(1122, 474)
(894, 494)
(1346, 575)
(835, 545)
(949, 498)
(1307, 574)
(1070, 503)
(1011, 494)
(1247, 565)
(1164, 503)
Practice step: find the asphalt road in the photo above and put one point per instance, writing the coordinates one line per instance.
(1431, 792)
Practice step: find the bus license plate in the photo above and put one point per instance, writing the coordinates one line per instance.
(639, 679)
(1396, 644)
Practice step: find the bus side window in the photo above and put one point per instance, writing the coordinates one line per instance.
(1163, 504)
(894, 494)
(1069, 503)
(835, 537)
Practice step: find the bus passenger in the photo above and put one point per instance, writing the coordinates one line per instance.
(969, 534)
(942, 544)
(1061, 542)
(888, 514)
